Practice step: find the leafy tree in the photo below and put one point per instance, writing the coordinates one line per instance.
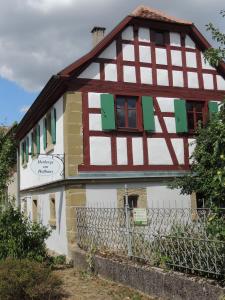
(207, 172)
(215, 55)
(7, 155)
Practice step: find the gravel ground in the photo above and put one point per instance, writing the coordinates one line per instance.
(82, 286)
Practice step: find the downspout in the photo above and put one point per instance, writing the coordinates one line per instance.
(18, 201)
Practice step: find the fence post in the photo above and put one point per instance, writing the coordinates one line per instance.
(128, 229)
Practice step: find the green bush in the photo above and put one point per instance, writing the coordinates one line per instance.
(25, 280)
(20, 238)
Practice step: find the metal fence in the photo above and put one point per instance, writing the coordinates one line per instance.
(189, 240)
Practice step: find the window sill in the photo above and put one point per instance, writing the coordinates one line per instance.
(129, 129)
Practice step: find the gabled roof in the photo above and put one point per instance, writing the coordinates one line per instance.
(154, 14)
(56, 86)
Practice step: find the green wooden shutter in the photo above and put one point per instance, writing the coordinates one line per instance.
(53, 125)
(45, 133)
(108, 112)
(148, 113)
(27, 149)
(180, 115)
(38, 139)
(213, 108)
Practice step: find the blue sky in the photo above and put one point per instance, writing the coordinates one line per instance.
(13, 101)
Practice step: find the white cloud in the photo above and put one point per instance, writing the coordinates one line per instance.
(38, 38)
(24, 109)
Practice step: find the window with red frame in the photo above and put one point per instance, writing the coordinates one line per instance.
(195, 115)
(126, 112)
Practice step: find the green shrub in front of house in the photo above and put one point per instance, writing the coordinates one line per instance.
(20, 238)
(28, 280)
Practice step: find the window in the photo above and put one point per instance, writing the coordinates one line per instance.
(195, 114)
(49, 133)
(159, 38)
(126, 112)
(52, 220)
(25, 151)
(132, 201)
(34, 142)
(35, 210)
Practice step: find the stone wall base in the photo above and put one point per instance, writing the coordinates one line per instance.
(151, 281)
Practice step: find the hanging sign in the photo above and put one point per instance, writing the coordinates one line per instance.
(47, 166)
(140, 216)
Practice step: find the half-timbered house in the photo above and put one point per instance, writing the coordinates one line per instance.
(125, 113)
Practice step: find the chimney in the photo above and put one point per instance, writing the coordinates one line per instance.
(97, 35)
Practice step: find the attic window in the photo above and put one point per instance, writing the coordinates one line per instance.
(159, 38)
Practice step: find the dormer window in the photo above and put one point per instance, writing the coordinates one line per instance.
(159, 38)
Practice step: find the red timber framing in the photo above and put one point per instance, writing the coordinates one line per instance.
(67, 80)
(129, 135)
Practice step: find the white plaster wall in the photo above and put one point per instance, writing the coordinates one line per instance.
(162, 77)
(176, 58)
(205, 64)
(121, 147)
(27, 177)
(191, 60)
(160, 196)
(175, 39)
(145, 54)
(192, 80)
(158, 152)
(166, 104)
(158, 127)
(143, 34)
(146, 75)
(58, 239)
(137, 151)
(161, 56)
(189, 43)
(94, 100)
(129, 74)
(95, 122)
(128, 52)
(111, 72)
(170, 124)
(104, 195)
(220, 83)
(100, 151)
(91, 72)
(208, 81)
(128, 33)
(109, 52)
(178, 146)
(178, 78)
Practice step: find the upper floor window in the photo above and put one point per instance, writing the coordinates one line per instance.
(49, 134)
(195, 114)
(126, 112)
(159, 38)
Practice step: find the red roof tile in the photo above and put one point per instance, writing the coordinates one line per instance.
(154, 14)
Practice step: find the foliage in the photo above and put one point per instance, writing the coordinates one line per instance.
(58, 260)
(215, 55)
(20, 238)
(25, 279)
(207, 172)
(7, 155)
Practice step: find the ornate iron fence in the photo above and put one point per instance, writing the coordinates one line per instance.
(189, 240)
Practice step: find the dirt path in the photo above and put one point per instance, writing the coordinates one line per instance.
(81, 286)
